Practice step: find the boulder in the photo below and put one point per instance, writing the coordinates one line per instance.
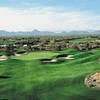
(93, 80)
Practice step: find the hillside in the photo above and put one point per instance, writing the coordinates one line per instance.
(29, 79)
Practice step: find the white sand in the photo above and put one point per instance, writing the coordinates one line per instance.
(53, 60)
(20, 54)
(3, 57)
(68, 57)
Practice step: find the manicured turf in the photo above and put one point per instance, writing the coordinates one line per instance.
(83, 39)
(35, 55)
(33, 80)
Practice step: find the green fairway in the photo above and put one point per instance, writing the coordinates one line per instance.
(35, 55)
(33, 80)
(83, 39)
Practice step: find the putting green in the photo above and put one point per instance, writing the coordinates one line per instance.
(33, 80)
(35, 55)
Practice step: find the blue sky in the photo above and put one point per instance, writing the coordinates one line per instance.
(91, 5)
(54, 15)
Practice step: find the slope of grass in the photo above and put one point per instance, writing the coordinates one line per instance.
(32, 80)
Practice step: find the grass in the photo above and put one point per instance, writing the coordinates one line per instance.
(83, 39)
(35, 55)
(33, 80)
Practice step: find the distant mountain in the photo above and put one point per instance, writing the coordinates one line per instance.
(47, 33)
(79, 32)
(21, 33)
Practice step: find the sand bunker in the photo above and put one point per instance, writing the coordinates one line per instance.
(3, 57)
(65, 56)
(48, 60)
(19, 53)
(93, 80)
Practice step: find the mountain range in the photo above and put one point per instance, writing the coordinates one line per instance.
(47, 33)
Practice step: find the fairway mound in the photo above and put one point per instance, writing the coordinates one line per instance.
(3, 57)
(65, 56)
(19, 53)
(48, 60)
(93, 80)
(5, 77)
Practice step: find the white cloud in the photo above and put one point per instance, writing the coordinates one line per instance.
(46, 19)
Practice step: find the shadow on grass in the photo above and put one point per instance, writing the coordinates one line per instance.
(77, 97)
(5, 77)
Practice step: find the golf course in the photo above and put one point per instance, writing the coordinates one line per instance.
(25, 77)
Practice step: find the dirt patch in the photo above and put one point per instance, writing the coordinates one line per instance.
(93, 80)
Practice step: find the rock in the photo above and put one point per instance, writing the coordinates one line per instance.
(93, 80)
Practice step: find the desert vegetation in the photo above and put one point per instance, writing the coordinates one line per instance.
(48, 43)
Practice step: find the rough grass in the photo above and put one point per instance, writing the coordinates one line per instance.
(33, 80)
